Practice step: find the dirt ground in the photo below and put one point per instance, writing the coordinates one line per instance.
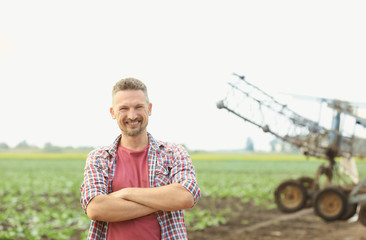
(248, 222)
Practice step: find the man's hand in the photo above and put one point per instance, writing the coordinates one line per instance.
(119, 194)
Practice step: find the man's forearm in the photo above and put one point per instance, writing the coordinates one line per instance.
(112, 209)
(167, 198)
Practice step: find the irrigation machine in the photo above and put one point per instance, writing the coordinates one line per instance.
(331, 200)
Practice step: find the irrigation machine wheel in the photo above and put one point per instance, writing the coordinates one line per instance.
(330, 204)
(290, 196)
(362, 214)
(350, 211)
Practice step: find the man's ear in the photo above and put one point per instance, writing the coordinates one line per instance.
(150, 108)
(112, 113)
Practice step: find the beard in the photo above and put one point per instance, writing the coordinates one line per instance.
(134, 131)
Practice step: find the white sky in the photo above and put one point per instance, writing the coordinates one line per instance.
(60, 59)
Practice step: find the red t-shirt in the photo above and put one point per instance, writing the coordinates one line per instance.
(132, 171)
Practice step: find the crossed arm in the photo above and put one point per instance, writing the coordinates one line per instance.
(130, 203)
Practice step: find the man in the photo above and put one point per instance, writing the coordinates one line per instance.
(137, 187)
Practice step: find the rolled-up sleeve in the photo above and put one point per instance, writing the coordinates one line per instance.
(183, 172)
(95, 178)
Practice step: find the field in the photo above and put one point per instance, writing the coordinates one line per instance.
(39, 197)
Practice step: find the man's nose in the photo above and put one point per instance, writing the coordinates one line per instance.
(132, 114)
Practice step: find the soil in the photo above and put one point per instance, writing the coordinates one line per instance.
(245, 221)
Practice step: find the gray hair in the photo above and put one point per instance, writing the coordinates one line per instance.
(130, 84)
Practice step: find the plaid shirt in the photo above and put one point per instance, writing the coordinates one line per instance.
(167, 163)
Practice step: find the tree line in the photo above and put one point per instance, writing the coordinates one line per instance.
(48, 147)
(276, 145)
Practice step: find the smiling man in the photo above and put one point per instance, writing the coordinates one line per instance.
(137, 187)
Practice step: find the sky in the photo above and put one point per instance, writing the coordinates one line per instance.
(60, 59)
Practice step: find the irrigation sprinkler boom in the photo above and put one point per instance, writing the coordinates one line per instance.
(260, 109)
(332, 202)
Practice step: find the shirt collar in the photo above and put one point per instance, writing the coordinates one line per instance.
(154, 144)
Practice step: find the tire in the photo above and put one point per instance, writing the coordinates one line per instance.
(330, 204)
(362, 214)
(350, 211)
(290, 196)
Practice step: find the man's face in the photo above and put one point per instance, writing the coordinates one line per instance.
(131, 110)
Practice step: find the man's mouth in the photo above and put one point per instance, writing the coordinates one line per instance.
(133, 123)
